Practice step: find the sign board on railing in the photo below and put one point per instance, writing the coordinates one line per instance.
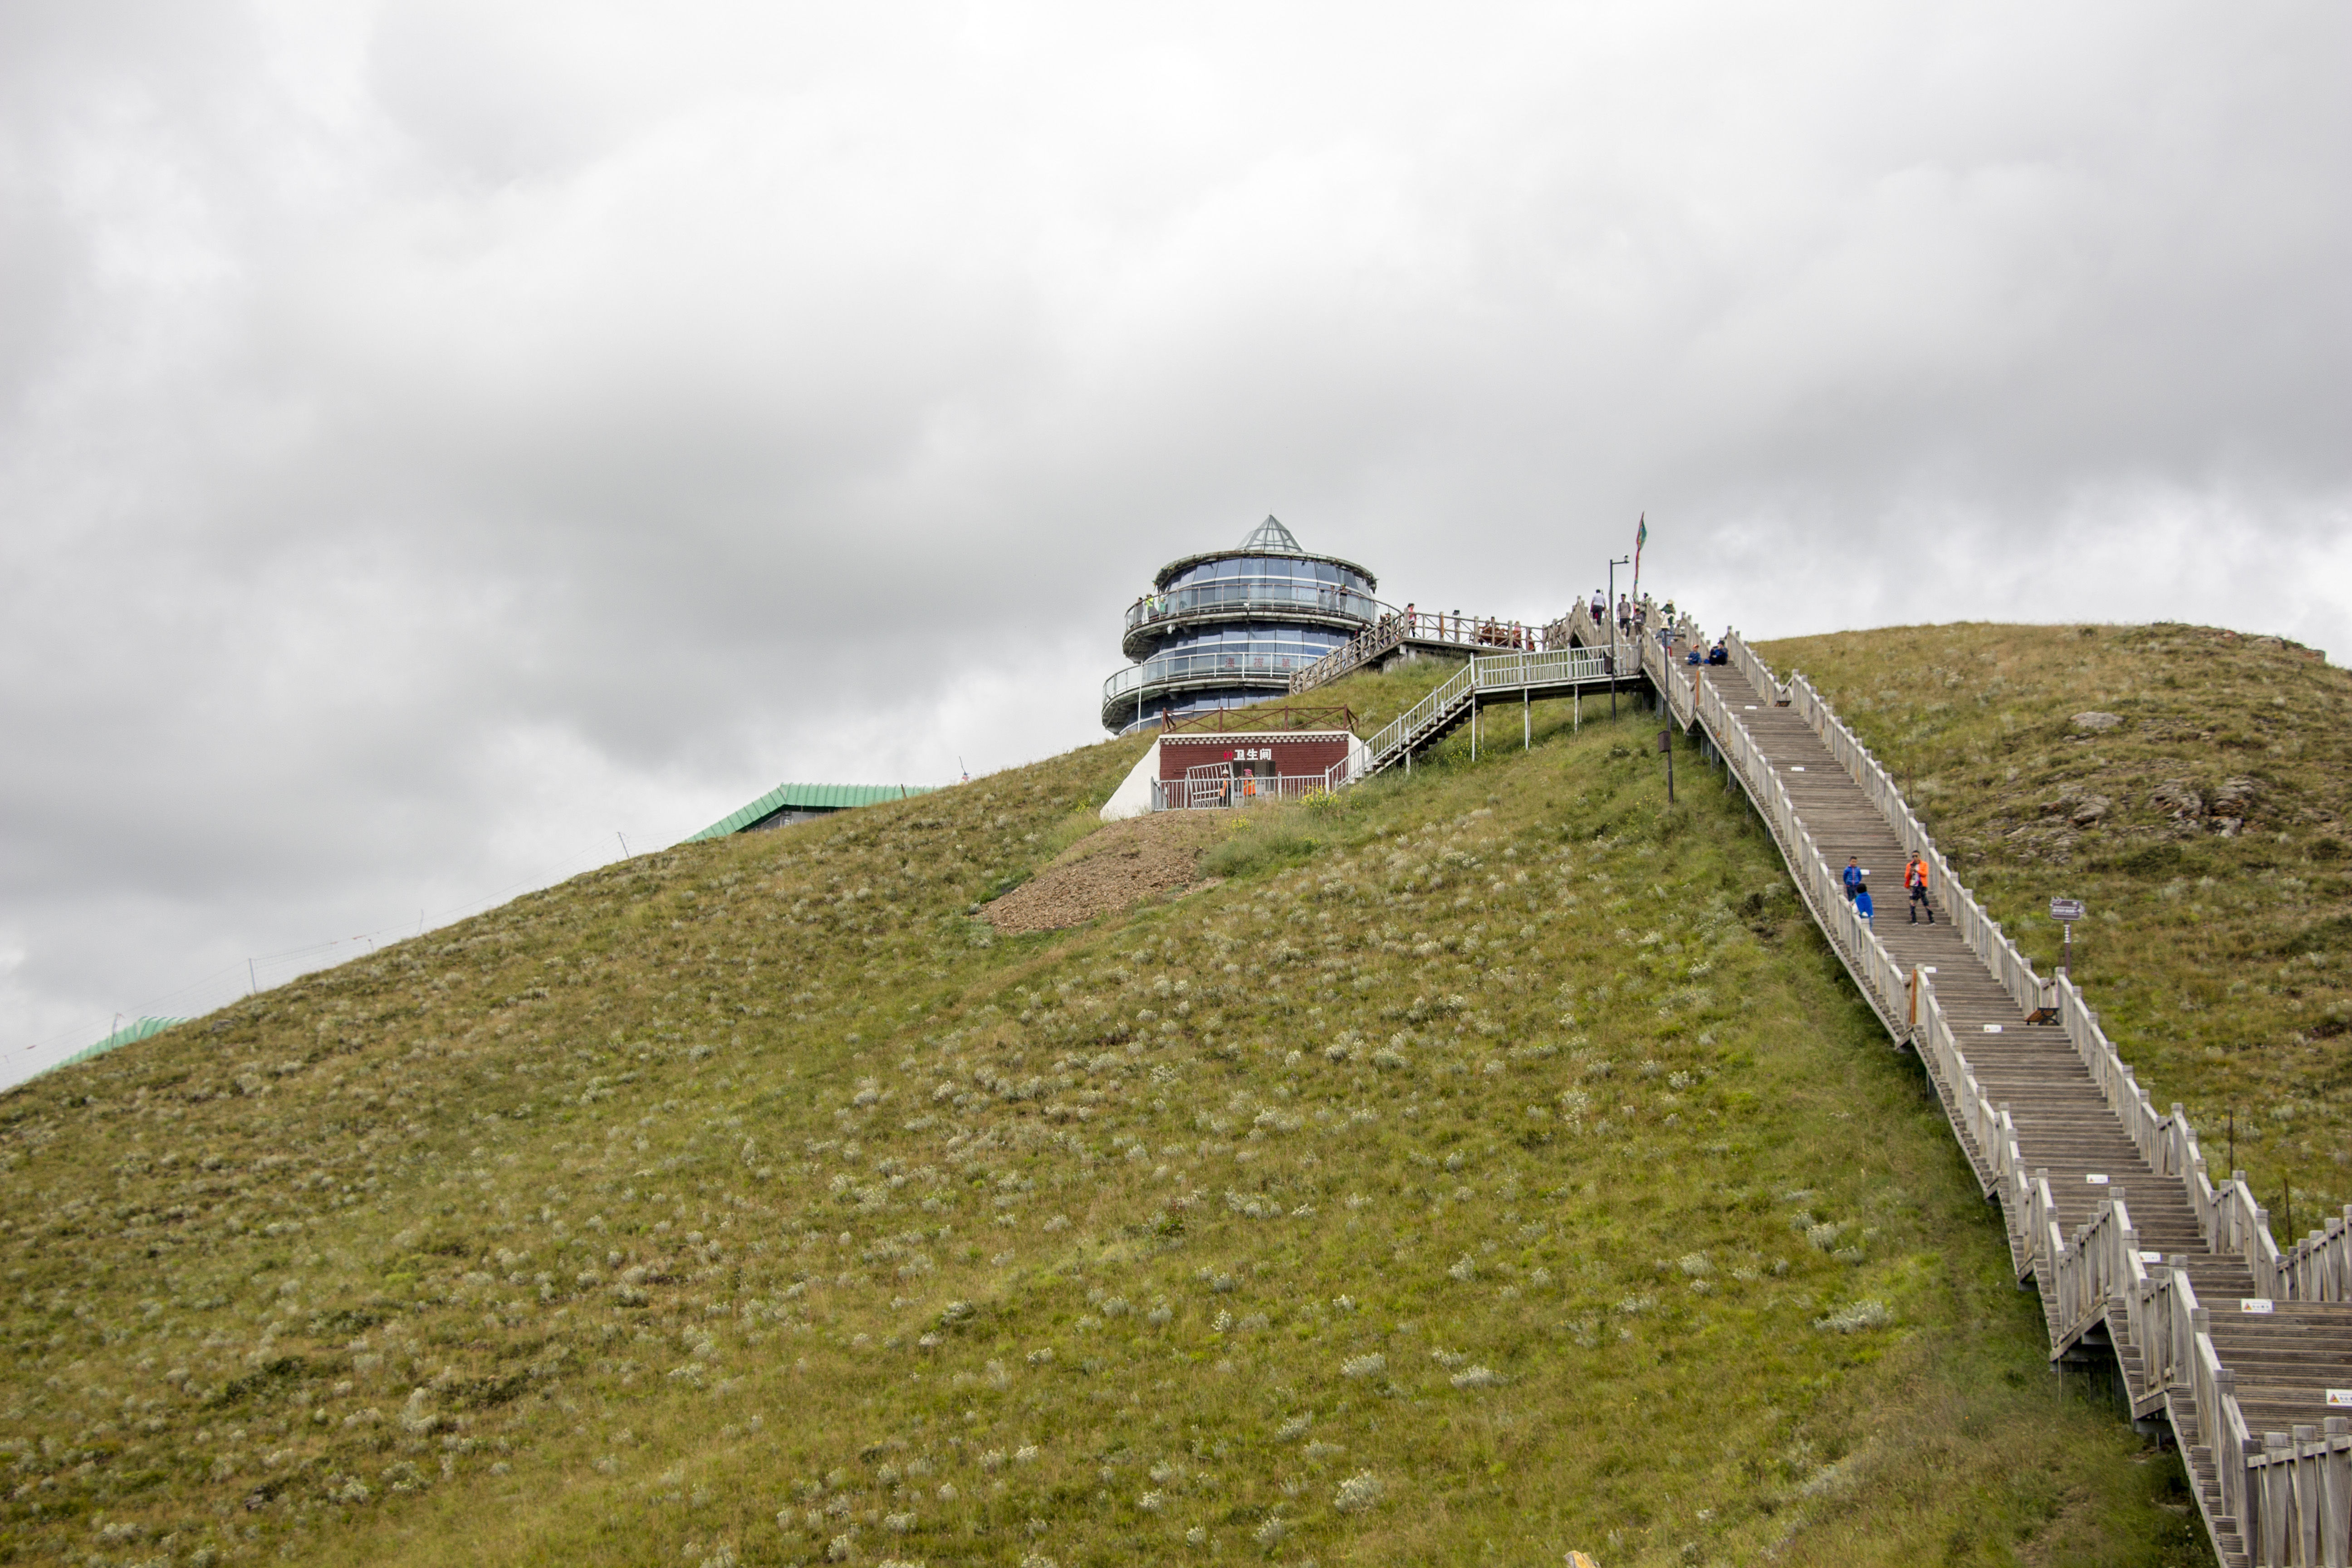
(2066, 912)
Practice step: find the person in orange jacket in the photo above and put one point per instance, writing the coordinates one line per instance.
(1914, 877)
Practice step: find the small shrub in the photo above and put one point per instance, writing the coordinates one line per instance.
(1870, 1314)
(1270, 839)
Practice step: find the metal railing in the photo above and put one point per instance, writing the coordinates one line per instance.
(1497, 673)
(1234, 794)
(1266, 715)
(1438, 706)
(1493, 674)
(1473, 633)
(1243, 595)
(1559, 667)
(1237, 663)
(1395, 628)
(1359, 650)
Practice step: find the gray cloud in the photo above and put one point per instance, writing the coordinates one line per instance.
(433, 438)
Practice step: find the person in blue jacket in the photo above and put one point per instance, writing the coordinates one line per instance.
(1862, 902)
(1853, 879)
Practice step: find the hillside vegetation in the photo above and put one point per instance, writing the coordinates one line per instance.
(2194, 786)
(1492, 1164)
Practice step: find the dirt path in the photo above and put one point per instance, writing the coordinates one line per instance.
(1122, 865)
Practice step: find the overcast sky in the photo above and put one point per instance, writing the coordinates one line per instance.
(437, 438)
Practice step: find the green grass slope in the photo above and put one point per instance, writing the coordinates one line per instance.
(1492, 1164)
(2206, 830)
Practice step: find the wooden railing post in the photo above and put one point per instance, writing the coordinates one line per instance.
(2278, 1498)
(2335, 1493)
(2303, 1490)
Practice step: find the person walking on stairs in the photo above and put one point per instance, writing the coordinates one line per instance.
(1914, 877)
(1853, 879)
(1861, 905)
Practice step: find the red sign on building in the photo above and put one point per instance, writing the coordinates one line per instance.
(1270, 754)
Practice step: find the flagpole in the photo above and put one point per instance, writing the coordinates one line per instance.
(1640, 537)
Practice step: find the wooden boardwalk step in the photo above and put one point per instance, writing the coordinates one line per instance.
(2284, 1362)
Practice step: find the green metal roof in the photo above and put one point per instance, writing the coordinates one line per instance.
(122, 1037)
(807, 798)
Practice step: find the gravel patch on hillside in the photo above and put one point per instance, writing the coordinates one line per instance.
(1122, 866)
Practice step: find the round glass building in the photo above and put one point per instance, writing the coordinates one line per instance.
(1229, 626)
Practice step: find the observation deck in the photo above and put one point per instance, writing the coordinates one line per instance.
(1153, 618)
(1230, 627)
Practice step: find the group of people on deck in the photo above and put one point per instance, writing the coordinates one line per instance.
(1513, 635)
(1629, 616)
(1498, 634)
(1409, 624)
(1634, 620)
(1718, 654)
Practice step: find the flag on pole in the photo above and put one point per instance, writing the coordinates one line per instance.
(1640, 537)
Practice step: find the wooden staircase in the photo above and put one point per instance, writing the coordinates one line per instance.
(2112, 1217)
(2139, 1256)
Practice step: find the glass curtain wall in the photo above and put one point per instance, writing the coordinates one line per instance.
(1226, 629)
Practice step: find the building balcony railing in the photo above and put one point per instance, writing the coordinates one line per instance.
(1242, 665)
(1249, 595)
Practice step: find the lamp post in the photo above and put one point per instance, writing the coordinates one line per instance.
(1610, 612)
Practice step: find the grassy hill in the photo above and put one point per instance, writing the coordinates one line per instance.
(1491, 1163)
(2206, 825)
